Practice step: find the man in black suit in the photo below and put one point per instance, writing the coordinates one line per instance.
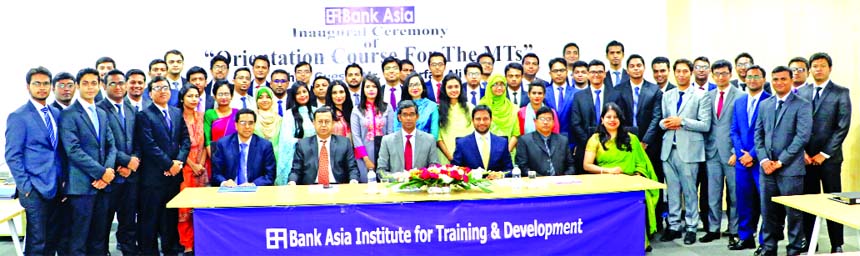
(219, 66)
(175, 64)
(135, 79)
(642, 100)
(831, 117)
(123, 198)
(516, 92)
(103, 65)
(783, 128)
(162, 137)
(64, 90)
(615, 73)
(88, 141)
(261, 71)
(585, 112)
(243, 158)
(799, 72)
(542, 151)
(660, 69)
(743, 62)
(197, 77)
(310, 166)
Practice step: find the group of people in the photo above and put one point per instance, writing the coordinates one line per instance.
(124, 145)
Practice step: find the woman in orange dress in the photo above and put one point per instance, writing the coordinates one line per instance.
(194, 172)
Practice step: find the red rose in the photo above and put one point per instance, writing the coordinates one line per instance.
(425, 174)
(434, 175)
(456, 175)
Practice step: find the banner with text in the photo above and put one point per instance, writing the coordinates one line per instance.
(606, 223)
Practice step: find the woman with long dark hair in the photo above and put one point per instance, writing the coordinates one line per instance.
(336, 98)
(369, 122)
(194, 173)
(613, 150)
(296, 125)
(454, 117)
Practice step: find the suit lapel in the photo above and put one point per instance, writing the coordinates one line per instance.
(685, 101)
(83, 112)
(824, 93)
(37, 115)
(398, 143)
(252, 156)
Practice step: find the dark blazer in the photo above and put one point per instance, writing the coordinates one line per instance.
(160, 146)
(524, 96)
(261, 160)
(428, 86)
(710, 86)
(123, 135)
(743, 132)
(831, 117)
(467, 153)
(669, 86)
(743, 87)
(583, 119)
(481, 90)
(608, 79)
(89, 155)
(59, 107)
(306, 160)
(563, 111)
(532, 153)
(32, 159)
(781, 136)
(648, 112)
(253, 84)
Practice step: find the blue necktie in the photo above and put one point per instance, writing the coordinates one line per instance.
(617, 77)
(680, 99)
(474, 102)
(597, 106)
(549, 159)
(280, 108)
(242, 173)
(50, 125)
(121, 116)
(95, 120)
(560, 103)
(167, 120)
(244, 104)
(175, 85)
(635, 104)
(751, 112)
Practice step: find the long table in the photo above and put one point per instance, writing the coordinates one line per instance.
(822, 207)
(560, 215)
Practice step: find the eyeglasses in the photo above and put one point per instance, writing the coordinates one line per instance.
(243, 78)
(323, 122)
(415, 84)
(223, 94)
(545, 119)
(798, 70)
(40, 84)
(219, 67)
(557, 71)
(392, 68)
(437, 64)
(161, 88)
(410, 115)
(743, 65)
(754, 77)
(473, 74)
(488, 63)
(701, 67)
(66, 85)
(721, 74)
(120, 83)
(303, 71)
(279, 81)
(246, 123)
(596, 72)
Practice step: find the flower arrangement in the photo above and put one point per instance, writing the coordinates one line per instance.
(443, 177)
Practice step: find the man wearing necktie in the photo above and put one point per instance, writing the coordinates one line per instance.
(831, 115)
(280, 83)
(124, 189)
(354, 79)
(162, 137)
(783, 128)
(586, 106)
(324, 158)
(742, 63)
(175, 63)
(799, 73)
(686, 113)
(241, 95)
(243, 158)
(543, 151)
(615, 74)
(391, 74)
(408, 148)
(89, 144)
(197, 78)
(436, 63)
(515, 91)
(34, 156)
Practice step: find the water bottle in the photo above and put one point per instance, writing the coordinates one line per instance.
(371, 182)
(516, 178)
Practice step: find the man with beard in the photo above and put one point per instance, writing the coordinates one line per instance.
(261, 71)
(219, 66)
(241, 95)
(354, 77)
(136, 81)
(303, 72)
(701, 69)
(615, 73)
(483, 149)
(64, 90)
(487, 61)
(799, 73)
(660, 69)
(531, 65)
(571, 55)
(742, 62)
(280, 79)
(175, 64)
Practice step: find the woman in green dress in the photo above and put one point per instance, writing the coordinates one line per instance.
(454, 117)
(612, 150)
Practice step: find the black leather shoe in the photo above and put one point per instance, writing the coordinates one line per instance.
(690, 238)
(670, 235)
(649, 249)
(836, 249)
(743, 245)
(758, 251)
(710, 236)
(733, 240)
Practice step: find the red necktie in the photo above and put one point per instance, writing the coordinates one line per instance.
(720, 105)
(322, 174)
(438, 87)
(407, 153)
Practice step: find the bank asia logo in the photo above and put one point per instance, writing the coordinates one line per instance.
(370, 15)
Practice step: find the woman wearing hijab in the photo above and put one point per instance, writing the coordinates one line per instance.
(505, 122)
(268, 121)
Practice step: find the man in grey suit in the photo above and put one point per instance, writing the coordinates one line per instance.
(720, 154)
(123, 199)
(542, 151)
(686, 118)
(309, 165)
(831, 115)
(88, 141)
(782, 130)
(408, 148)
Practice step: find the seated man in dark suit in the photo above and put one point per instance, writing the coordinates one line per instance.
(543, 151)
(483, 149)
(243, 158)
(324, 158)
